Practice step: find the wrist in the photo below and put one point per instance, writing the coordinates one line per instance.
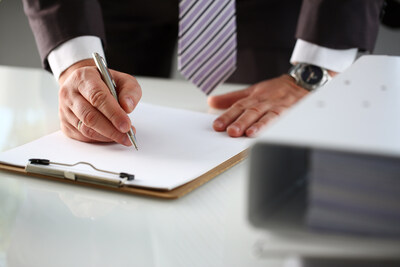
(332, 73)
(291, 81)
(82, 63)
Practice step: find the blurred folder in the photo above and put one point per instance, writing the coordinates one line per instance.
(332, 163)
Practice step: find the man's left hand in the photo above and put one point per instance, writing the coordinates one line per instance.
(250, 109)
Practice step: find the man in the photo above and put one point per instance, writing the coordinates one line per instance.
(139, 38)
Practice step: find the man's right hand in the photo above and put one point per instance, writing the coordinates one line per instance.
(83, 96)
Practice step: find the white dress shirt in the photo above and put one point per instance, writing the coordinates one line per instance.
(332, 59)
(72, 51)
(82, 47)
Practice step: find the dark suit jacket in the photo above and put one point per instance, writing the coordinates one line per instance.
(140, 36)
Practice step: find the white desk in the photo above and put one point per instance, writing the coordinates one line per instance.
(46, 223)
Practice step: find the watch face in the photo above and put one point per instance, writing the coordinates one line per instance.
(311, 74)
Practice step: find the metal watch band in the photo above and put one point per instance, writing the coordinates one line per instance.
(297, 70)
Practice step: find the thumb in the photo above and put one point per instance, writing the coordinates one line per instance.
(224, 101)
(129, 91)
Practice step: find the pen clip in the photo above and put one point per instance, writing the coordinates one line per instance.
(105, 73)
(103, 60)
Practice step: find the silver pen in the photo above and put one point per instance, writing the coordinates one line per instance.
(107, 78)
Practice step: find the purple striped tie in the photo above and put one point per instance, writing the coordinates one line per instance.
(207, 42)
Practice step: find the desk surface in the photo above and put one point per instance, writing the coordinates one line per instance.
(46, 223)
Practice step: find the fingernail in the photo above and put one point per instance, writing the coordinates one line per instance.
(234, 128)
(218, 124)
(124, 127)
(252, 131)
(130, 103)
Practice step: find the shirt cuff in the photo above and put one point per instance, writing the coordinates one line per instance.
(332, 59)
(72, 51)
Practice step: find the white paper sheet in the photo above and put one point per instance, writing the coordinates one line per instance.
(175, 147)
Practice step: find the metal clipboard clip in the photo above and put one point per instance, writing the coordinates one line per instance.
(59, 170)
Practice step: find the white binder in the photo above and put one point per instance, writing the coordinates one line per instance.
(357, 113)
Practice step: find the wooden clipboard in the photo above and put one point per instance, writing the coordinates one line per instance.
(165, 194)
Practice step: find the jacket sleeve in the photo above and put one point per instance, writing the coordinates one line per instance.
(56, 21)
(340, 24)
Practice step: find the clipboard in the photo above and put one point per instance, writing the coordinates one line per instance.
(171, 161)
(164, 194)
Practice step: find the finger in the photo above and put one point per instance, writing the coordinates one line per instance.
(133, 129)
(247, 118)
(70, 131)
(92, 134)
(95, 91)
(224, 101)
(129, 90)
(69, 123)
(92, 118)
(233, 113)
(261, 123)
(83, 129)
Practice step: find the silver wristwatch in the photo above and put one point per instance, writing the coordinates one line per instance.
(308, 76)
